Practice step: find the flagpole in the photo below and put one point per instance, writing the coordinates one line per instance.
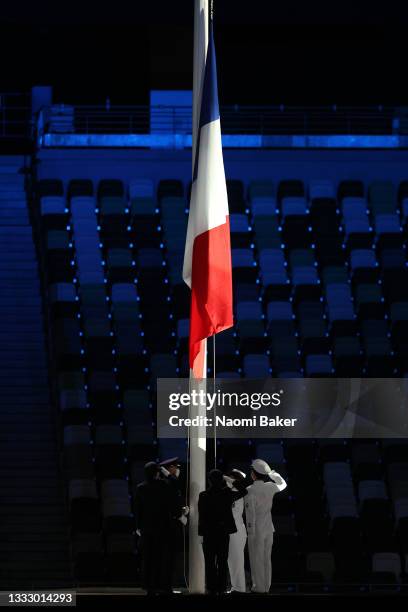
(197, 443)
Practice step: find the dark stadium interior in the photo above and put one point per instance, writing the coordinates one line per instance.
(92, 237)
(350, 53)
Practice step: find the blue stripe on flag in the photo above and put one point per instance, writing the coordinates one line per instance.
(209, 103)
(209, 110)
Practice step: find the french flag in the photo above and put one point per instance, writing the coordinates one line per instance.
(207, 266)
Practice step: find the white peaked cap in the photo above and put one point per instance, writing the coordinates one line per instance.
(261, 467)
(239, 472)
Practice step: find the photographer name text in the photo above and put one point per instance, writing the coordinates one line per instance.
(223, 421)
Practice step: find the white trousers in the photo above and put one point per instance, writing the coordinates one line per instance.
(236, 560)
(260, 551)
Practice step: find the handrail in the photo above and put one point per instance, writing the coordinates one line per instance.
(16, 119)
(235, 119)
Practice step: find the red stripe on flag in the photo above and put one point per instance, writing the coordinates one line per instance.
(199, 364)
(211, 287)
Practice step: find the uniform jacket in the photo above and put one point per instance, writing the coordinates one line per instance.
(215, 509)
(258, 504)
(156, 505)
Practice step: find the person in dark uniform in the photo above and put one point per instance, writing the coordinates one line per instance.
(170, 470)
(156, 506)
(215, 524)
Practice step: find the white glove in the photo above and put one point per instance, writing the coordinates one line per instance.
(228, 479)
(138, 532)
(183, 520)
(164, 471)
(186, 510)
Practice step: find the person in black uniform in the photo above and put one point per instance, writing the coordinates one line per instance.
(215, 524)
(156, 506)
(170, 470)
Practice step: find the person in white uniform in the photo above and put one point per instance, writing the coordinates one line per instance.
(236, 557)
(258, 511)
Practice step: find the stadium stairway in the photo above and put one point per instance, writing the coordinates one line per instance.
(34, 549)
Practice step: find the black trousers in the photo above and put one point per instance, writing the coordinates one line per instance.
(215, 548)
(156, 561)
(176, 553)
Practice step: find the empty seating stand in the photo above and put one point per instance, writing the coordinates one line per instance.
(320, 290)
